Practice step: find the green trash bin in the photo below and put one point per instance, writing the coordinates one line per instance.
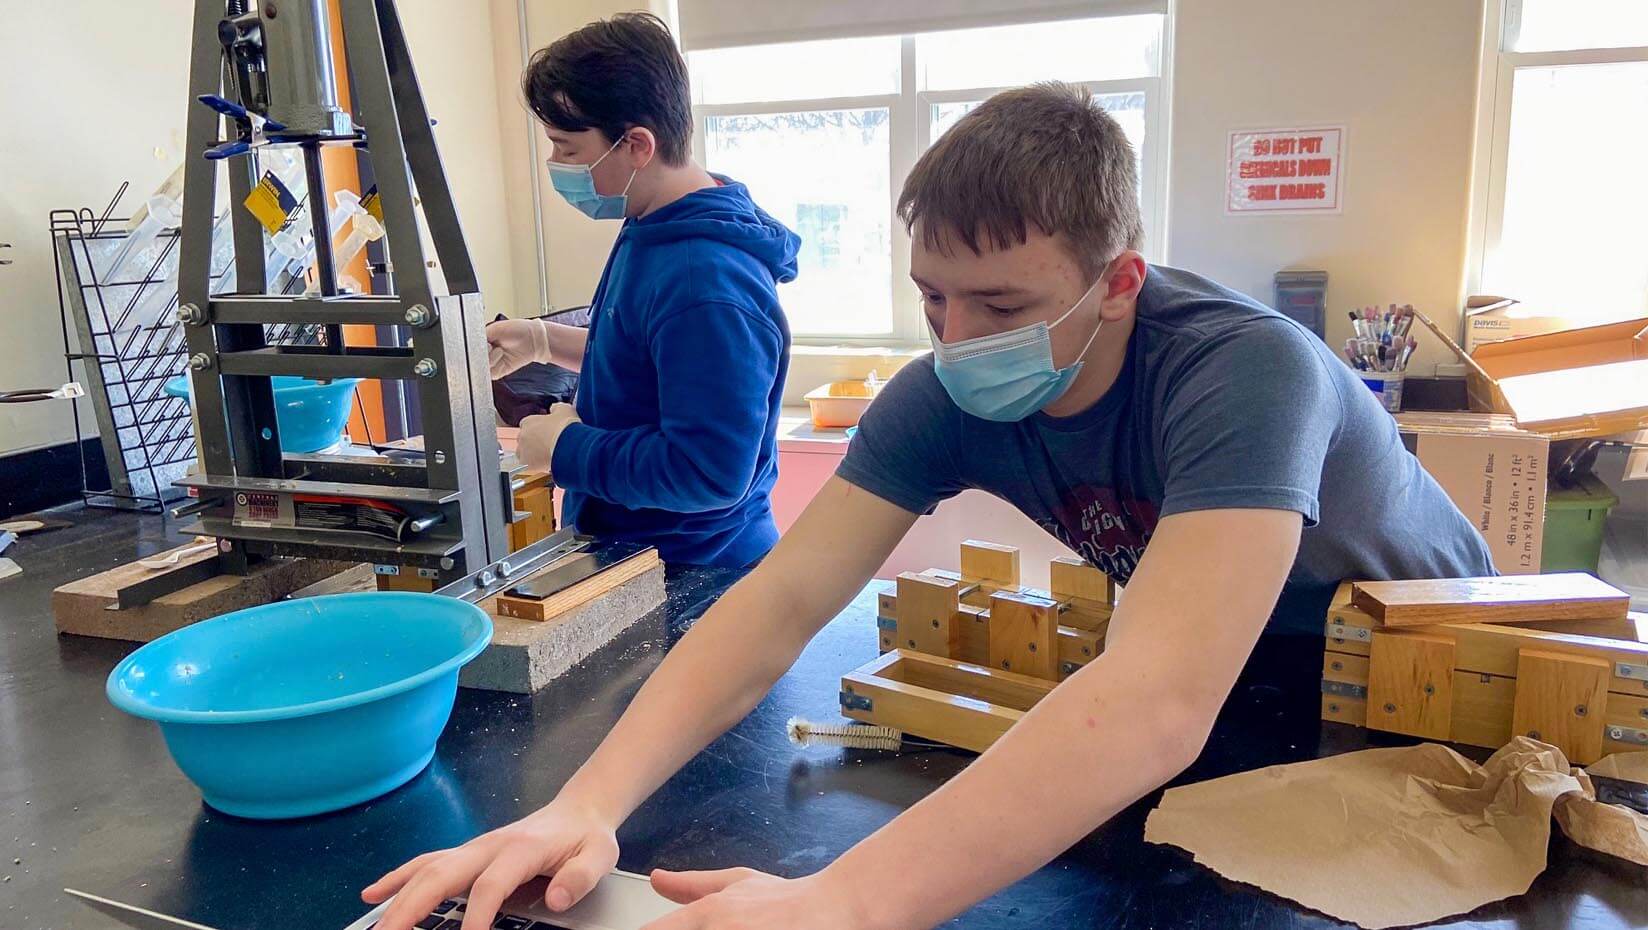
(1574, 518)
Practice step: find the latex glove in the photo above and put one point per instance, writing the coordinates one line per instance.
(744, 899)
(536, 445)
(512, 344)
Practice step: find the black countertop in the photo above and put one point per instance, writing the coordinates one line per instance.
(90, 799)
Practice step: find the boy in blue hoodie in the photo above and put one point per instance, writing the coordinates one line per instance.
(672, 441)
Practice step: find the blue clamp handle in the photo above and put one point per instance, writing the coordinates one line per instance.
(234, 110)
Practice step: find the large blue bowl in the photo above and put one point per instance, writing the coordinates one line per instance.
(306, 706)
(311, 415)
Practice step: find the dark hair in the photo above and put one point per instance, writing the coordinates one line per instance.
(614, 75)
(1046, 155)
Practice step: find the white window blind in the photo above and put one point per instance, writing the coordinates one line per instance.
(708, 24)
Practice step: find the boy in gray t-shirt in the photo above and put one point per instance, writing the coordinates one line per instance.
(1186, 440)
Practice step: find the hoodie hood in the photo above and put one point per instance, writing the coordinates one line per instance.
(724, 214)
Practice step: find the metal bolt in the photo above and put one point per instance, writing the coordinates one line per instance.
(1429, 688)
(190, 314)
(1338, 666)
(440, 458)
(426, 368)
(419, 316)
(1087, 650)
(200, 361)
(912, 644)
(504, 568)
(1616, 733)
(1645, 713)
(447, 563)
(1006, 664)
(1390, 708)
(935, 624)
(1032, 647)
(1333, 708)
(485, 578)
(1581, 711)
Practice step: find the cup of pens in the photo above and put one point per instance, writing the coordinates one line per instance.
(1380, 350)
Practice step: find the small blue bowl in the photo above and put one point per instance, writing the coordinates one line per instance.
(311, 415)
(307, 706)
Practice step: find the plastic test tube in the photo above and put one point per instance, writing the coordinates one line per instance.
(366, 228)
(164, 212)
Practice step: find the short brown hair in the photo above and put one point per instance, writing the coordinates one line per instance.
(1046, 155)
(614, 75)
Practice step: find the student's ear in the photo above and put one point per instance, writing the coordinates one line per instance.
(640, 147)
(1127, 273)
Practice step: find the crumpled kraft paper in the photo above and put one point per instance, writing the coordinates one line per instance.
(1391, 837)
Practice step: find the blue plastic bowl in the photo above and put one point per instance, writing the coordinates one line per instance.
(306, 706)
(311, 415)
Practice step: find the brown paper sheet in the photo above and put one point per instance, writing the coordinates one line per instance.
(1391, 837)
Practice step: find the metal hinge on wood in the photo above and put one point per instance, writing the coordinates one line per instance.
(1360, 634)
(1634, 672)
(851, 701)
(1345, 689)
(1628, 735)
(887, 623)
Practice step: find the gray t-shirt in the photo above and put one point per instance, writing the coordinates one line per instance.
(1222, 402)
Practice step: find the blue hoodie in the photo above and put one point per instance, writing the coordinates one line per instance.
(682, 377)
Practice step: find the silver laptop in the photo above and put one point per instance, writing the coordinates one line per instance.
(620, 901)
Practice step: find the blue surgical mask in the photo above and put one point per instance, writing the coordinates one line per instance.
(576, 185)
(1008, 376)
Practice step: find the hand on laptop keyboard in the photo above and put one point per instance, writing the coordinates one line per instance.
(564, 841)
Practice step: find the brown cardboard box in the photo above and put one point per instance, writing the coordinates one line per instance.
(1496, 319)
(1572, 384)
(1493, 472)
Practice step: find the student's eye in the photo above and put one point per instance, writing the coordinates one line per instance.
(936, 300)
(1002, 311)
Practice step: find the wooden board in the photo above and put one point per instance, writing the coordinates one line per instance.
(928, 612)
(1070, 577)
(1493, 649)
(1024, 635)
(989, 564)
(524, 608)
(1561, 700)
(1508, 599)
(1410, 684)
(1342, 617)
(940, 699)
(1624, 715)
(539, 505)
(81, 608)
(1482, 709)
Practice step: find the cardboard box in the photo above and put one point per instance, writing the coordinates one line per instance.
(1496, 319)
(1574, 384)
(1493, 472)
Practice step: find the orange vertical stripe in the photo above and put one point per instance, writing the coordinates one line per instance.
(343, 173)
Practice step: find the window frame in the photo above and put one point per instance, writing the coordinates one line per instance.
(910, 130)
(1495, 89)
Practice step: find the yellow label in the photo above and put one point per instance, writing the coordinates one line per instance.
(271, 203)
(373, 205)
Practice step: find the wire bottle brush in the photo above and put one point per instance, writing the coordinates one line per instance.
(850, 735)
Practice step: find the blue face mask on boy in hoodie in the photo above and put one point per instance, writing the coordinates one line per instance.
(576, 185)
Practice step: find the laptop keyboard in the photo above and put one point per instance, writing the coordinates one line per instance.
(448, 915)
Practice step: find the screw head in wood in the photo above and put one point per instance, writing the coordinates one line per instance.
(1032, 647)
(1390, 708)
(912, 644)
(935, 624)
(1429, 688)
(1581, 711)
(1006, 664)
(1333, 708)
(1533, 734)
(1338, 666)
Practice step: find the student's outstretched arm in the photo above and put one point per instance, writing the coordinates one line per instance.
(713, 677)
(1108, 735)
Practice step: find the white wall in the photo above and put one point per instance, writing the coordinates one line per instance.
(1401, 76)
(85, 106)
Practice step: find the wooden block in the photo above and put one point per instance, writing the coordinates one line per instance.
(1341, 709)
(1084, 614)
(1070, 577)
(973, 635)
(927, 613)
(539, 502)
(886, 612)
(1508, 599)
(407, 579)
(1493, 649)
(989, 563)
(940, 699)
(80, 607)
(1348, 629)
(550, 608)
(1348, 668)
(1625, 725)
(1024, 635)
(1410, 684)
(1482, 709)
(526, 655)
(1077, 648)
(1561, 700)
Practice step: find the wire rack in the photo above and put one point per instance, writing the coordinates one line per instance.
(128, 342)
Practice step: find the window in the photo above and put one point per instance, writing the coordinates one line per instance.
(1560, 223)
(824, 132)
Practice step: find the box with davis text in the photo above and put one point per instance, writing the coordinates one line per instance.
(1493, 472)
(1496, 319)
